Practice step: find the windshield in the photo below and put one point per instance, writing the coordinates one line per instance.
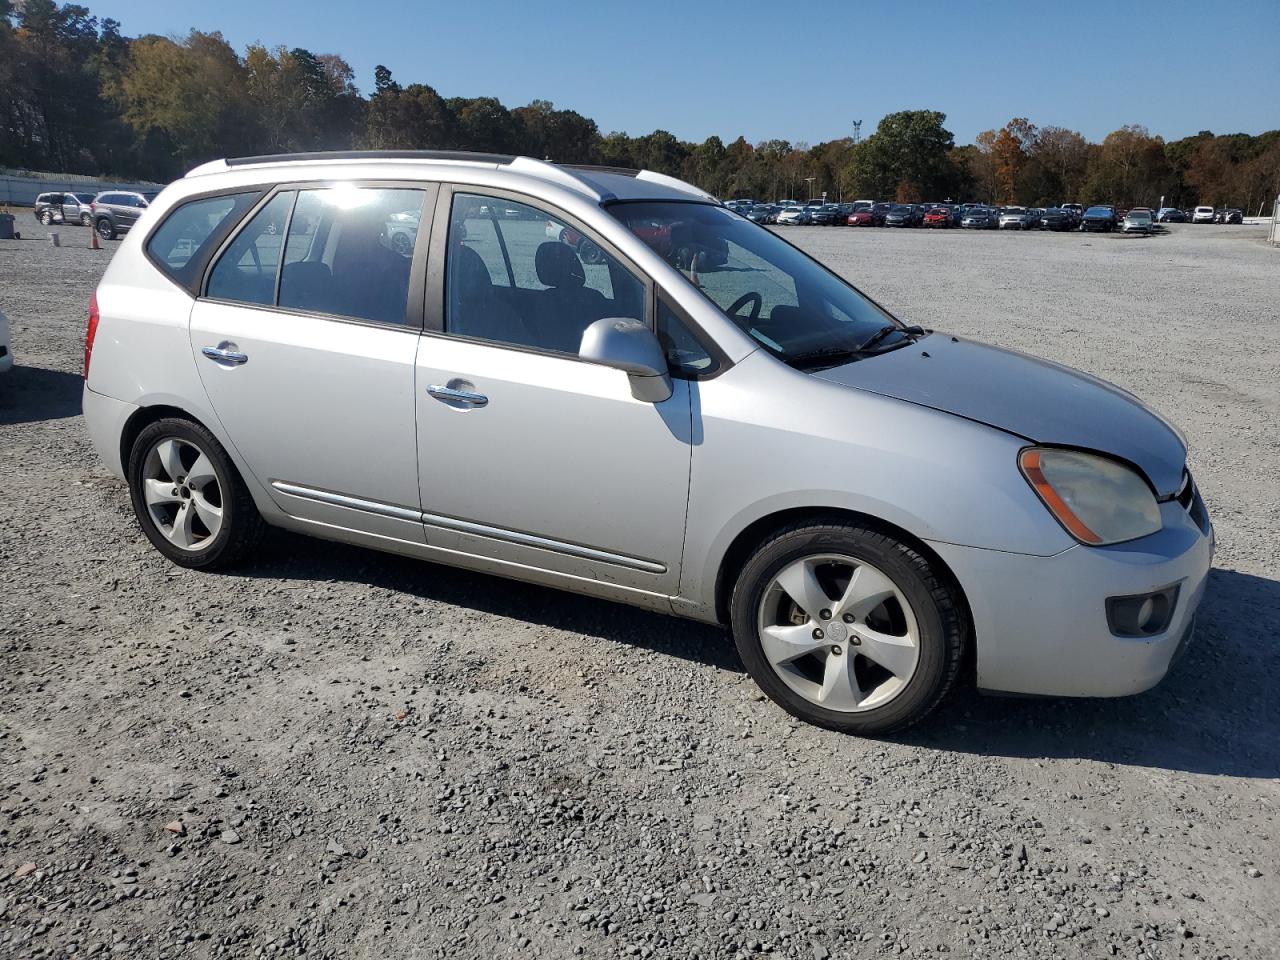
(779, 297)
(1098, 211)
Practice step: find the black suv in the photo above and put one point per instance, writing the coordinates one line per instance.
(115, 211)
(51, 208)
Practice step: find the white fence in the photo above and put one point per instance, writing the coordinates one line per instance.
(20, 189)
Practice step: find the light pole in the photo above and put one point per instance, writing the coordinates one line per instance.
(809, 181)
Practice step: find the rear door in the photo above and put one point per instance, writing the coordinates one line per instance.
(305, 339)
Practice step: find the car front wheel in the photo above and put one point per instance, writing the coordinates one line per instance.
(106, 229)
(188, 497)
(847, 627)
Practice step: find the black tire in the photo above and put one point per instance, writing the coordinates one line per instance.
(46, 218)
(242, 526)
(106, 229)
(942, 626)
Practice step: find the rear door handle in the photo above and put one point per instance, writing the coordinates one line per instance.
(226, 353)
(451, 396)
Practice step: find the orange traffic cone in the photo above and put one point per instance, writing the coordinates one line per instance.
(93, 239)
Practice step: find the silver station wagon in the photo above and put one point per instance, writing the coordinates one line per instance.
(607, 382)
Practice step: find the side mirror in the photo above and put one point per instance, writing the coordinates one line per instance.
(631, 346)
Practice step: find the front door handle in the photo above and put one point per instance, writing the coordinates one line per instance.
(226, 353)
(451, 396)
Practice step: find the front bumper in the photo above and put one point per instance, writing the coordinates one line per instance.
(1040, 623)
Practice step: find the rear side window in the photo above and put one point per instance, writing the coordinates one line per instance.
(349, 252)
(246, 272)
(345, 251)
(178, 246)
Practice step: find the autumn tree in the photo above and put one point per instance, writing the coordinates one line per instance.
(1130, 169)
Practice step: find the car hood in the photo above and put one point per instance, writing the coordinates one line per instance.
(1044, 402)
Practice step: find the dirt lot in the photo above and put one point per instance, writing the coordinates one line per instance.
(337, 753)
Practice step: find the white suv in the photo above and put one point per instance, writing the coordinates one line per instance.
(1203, 215)
(410, 352)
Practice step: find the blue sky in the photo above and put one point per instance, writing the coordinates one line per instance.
(799, 70)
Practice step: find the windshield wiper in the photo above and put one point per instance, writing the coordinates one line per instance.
(826, 355)
(830, 356)
(911, 332)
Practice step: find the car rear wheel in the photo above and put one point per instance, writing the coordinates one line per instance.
(847, 627)
(106, 229)
(86, 220)
(192, 504)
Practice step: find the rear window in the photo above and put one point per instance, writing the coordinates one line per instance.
(181, 245)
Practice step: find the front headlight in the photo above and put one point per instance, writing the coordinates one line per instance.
(1097, 500)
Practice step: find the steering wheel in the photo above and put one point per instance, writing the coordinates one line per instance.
(750, 297)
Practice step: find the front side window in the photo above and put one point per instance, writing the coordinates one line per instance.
(515, 274)
(787, 302)
(686, 354)
(188, 229)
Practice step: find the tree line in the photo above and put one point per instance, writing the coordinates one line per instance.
(76, 96)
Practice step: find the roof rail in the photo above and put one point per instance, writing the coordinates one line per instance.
(457, 155)
(576, 177)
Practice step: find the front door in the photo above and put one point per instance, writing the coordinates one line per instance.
(305, 344)
(529, 455)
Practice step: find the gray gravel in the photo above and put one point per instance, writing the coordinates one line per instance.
(338, 753)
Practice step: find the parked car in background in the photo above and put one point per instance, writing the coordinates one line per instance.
(761, 213)
(902, 215)
(879, 212)
(1232, 215)
(6, 347)
(980, 218)
(1099, 219)
(792, 217)
(938, 217)
(1171, 215)
(827, 215)
(68, 208)
(1137, 221)
(116, 211)
(979, 508)
(1203, 215)
(1056, 219)
(1075, 209)
(1013, 218)
(860, 218)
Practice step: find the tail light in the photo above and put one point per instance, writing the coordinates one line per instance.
(90, 332)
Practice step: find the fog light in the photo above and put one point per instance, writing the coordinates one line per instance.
(1142, 615)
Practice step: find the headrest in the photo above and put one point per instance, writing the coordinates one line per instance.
(558, 265)
(469, 273)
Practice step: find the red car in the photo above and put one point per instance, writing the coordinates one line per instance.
(937, 217)
(861, 218)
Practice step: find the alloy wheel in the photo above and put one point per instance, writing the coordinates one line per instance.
(183, 496)
(839, 633)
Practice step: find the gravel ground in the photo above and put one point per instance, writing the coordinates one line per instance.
(337, 753)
